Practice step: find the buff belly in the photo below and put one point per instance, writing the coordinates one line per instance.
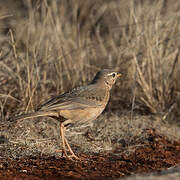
(82, 115)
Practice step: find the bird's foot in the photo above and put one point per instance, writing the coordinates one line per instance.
(71, 157)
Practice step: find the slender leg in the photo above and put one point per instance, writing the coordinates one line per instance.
(66, 144)
(63, 139)
(71, 151)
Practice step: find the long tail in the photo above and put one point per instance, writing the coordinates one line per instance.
(32, 115)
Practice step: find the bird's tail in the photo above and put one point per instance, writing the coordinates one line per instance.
(31, 115)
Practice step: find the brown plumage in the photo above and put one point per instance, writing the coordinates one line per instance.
(81, 104)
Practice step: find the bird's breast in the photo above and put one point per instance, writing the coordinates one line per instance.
(82, 115)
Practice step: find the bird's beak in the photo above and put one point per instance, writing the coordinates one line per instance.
(119, 74)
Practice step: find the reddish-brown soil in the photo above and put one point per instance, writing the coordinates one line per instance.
(156, 154)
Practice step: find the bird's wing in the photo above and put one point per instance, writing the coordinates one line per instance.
(79, 98)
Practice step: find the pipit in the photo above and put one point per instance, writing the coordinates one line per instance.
(81, 104)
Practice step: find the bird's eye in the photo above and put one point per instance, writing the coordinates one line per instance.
(113, 75)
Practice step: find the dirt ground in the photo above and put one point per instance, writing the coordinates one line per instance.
(157, 154)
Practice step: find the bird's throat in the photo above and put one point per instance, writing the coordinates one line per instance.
(109, 85)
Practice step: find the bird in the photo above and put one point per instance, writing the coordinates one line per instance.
(81, 104)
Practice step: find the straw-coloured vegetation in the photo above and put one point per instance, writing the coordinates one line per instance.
(49, 47)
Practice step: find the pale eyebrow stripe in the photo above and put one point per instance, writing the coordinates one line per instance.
(112, 73)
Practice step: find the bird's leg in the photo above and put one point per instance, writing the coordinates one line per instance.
(63, 139)
(69, 148)
(66, 144)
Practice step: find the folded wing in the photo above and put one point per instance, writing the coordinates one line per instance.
(78, 98)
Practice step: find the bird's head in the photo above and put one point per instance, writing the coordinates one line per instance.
(106, 76)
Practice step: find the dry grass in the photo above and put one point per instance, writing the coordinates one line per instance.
(107, 133)
(48, 47)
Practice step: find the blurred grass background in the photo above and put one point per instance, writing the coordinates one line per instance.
(48, 47)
